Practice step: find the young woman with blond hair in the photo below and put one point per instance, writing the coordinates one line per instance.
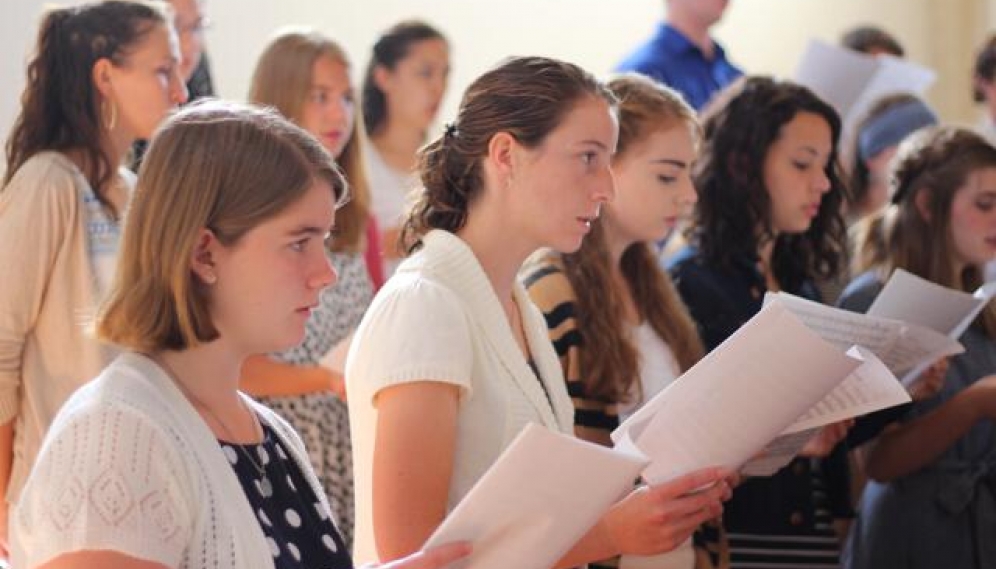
(305, 76)
(161, 462)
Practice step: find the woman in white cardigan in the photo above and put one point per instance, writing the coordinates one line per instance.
(452, 360)
(161, 461)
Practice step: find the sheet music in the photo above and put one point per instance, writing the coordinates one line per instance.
(869, 388)
(537, 500)
(726, 408)
(900, 346)
(913, 299)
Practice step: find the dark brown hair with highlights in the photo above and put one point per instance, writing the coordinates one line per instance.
(526, 97)
(60, 106)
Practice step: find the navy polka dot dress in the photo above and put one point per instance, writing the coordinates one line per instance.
(299, 530)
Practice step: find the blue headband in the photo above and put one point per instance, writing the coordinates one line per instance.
(892, 126)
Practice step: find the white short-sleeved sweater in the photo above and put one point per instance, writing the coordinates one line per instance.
(438, 319)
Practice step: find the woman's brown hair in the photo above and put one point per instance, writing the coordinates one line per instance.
(282, 79)
(222, 166)
(60, 106)
(609, 363)
(934, 163)
(733, 215)
(526, 97)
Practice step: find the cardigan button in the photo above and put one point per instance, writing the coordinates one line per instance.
(796, 518)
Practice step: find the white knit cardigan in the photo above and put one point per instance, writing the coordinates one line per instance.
(130, 466)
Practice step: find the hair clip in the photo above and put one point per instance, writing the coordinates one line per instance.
(451, 130)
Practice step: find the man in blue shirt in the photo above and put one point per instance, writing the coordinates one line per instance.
(682, 55)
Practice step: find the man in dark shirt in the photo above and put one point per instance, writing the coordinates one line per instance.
(681, 53)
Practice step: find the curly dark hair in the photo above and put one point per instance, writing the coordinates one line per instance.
(733, 217)
(60, 105)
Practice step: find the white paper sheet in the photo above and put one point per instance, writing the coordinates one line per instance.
(947, 311)
(852, 82)
(540, 497)
(900, 345)
(913, 299)
(741, 396)
(868, 388)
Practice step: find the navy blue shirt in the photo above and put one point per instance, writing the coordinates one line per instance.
(299, 529)
(672, 59)
(783, 520)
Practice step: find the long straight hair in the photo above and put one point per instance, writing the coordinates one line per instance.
(282, 79)
(610, 363)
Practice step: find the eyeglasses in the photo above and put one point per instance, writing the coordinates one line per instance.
(197, 27)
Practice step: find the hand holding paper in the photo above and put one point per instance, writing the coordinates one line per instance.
(540, 497)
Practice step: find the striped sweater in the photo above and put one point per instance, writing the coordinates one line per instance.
(594, 419)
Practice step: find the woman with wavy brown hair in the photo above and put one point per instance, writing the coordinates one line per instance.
(452, 360)
(933, 473)
(102, 75)
(769, 219)
(616, 321)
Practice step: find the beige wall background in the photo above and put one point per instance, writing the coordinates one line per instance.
(763, 36)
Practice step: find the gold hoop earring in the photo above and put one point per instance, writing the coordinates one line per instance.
(110, 118)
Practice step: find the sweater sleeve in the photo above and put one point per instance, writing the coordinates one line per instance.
(107, 478)
(36, 210)
(551, 292)
(414, 331)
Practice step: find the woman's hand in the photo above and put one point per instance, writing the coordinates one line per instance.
(826, 439)
(930, 381)
(435, 558)
(656, 519)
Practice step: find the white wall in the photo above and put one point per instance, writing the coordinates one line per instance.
(764, 36)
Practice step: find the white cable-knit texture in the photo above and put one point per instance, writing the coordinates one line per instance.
(129, 466)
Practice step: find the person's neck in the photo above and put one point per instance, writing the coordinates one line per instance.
(615, 242)
(398, 144)
(114, 146)
(499, 251)
(765, 251)
(694, 31)
(208, 376)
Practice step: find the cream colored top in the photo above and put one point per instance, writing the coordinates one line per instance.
(129, 466)
(51, 285)
(438, 319)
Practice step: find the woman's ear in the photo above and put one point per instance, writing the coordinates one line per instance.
(501, 155)
(203, 257)
(921, 201)
(382, 78)
(100, 74)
